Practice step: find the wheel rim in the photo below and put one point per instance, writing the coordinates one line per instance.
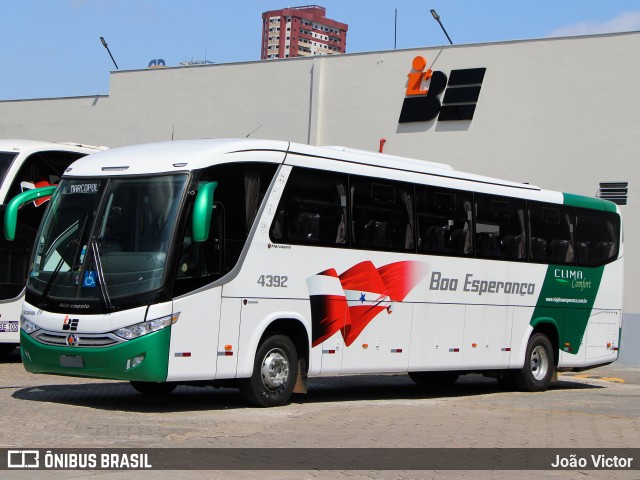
(539, 362)
(275, 369)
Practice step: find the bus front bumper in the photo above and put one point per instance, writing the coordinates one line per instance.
(115, 362)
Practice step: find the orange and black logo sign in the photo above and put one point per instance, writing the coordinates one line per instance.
(70, 323)
(431, 94)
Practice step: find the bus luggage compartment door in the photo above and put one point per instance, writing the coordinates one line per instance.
(437, 337)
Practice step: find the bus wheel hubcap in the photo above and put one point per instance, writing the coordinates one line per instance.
(275, 369)
(539, 363)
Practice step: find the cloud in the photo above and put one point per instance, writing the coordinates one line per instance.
(625, 22)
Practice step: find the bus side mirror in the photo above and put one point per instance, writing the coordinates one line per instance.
(11, 212)
(202, 210)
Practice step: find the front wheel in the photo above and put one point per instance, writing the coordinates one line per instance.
(538, 368)
(275, 371)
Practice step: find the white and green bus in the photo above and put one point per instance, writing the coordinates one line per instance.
(261, 263)
(25, 165)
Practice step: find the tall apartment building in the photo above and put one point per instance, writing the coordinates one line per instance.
(300, 32)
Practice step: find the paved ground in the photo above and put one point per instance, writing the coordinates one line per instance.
(595, 409)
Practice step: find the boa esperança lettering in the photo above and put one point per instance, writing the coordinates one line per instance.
(480, 287)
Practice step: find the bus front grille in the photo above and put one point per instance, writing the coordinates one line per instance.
(80, 340)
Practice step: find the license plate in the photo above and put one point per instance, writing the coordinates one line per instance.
(9, 326)
(71, 361)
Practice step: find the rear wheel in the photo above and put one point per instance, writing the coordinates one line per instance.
(538, 368)
(154, 388)
(435, 379)
(275, 371)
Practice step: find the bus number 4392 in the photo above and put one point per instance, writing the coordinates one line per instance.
(277, 281)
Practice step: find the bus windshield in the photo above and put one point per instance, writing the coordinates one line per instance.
(5, 162)
(105, 239)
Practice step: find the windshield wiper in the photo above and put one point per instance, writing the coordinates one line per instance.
(95, 249)
(55, 273)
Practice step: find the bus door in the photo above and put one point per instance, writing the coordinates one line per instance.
(195, 353)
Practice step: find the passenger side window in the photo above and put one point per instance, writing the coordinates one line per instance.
(551, 233)
(382, 214)
(313, 209)
(500, 228)
(444, 221)
(597, 237)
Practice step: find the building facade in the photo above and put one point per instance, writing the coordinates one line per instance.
(301, 32)
(560, 113)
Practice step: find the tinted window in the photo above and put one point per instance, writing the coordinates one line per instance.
(382, 214)
(500, 228)
(444, 221)
(597, 237)
(313, 209)
(551, 230)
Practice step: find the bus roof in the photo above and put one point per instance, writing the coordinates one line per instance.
(184, 155)
(168, 157)
(401, 163)
(31, 146)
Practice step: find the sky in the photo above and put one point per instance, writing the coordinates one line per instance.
(52, 48)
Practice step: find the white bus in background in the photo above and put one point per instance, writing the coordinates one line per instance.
(260, 263)
(25, 165)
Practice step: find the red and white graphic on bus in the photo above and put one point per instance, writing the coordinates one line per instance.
(31, 186)
(349, 301)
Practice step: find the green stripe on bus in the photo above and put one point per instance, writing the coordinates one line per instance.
(589, 202)
(566, 300)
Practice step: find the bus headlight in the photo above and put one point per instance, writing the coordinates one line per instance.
(150, 326)
(27, 326)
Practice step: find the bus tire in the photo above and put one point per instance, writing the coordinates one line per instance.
(536, 374)
(275, 371)
(154, 388)
(435, 379)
